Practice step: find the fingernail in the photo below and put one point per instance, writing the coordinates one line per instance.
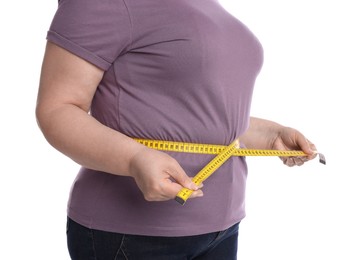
(199, 194)
(193, 186)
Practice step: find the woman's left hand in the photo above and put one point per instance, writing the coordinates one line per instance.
(291, 139)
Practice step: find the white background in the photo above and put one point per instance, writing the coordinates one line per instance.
(309, 81)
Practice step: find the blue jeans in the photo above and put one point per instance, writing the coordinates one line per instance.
(90, 244)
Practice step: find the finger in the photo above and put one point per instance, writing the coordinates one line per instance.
(172, 189)
(307, 147)
(313, 148)
(298, 161)
(196, 194)
(200, 185)
(182, 178)
(289, 161)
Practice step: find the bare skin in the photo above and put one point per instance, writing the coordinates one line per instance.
(265, 134)
(67, 86)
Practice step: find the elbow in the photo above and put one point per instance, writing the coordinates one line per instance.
(50, 123)
(46, 120)
(41, 118)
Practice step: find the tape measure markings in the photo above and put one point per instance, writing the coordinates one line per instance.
(223, 154)
(212, 148)
(209, 169)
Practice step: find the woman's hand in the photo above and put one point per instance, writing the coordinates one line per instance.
(66, 90)
(291, 139)
(266, 134)
(159, 176)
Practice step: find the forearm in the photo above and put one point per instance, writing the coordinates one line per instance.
(82, 138)
(261, 134)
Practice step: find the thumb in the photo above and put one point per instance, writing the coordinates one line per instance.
(308, 147)
(182, 180)
(180, 176)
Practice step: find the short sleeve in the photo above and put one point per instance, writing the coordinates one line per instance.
(98, 31)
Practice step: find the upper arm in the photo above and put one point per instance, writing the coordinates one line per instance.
(84, 39)
(66, 79)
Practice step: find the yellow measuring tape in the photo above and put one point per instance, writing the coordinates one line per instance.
(223, 153)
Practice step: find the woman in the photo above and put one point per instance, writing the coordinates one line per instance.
(171, 70)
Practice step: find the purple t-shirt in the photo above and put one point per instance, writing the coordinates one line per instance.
(179, 70)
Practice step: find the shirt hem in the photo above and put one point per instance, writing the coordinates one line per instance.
(172, 231)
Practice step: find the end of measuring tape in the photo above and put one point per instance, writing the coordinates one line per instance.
(180, 200)
(322, 158)
(209, 169)
(216, 149)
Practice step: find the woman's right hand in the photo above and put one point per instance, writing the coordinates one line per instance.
(67, 87)
(159, 176)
